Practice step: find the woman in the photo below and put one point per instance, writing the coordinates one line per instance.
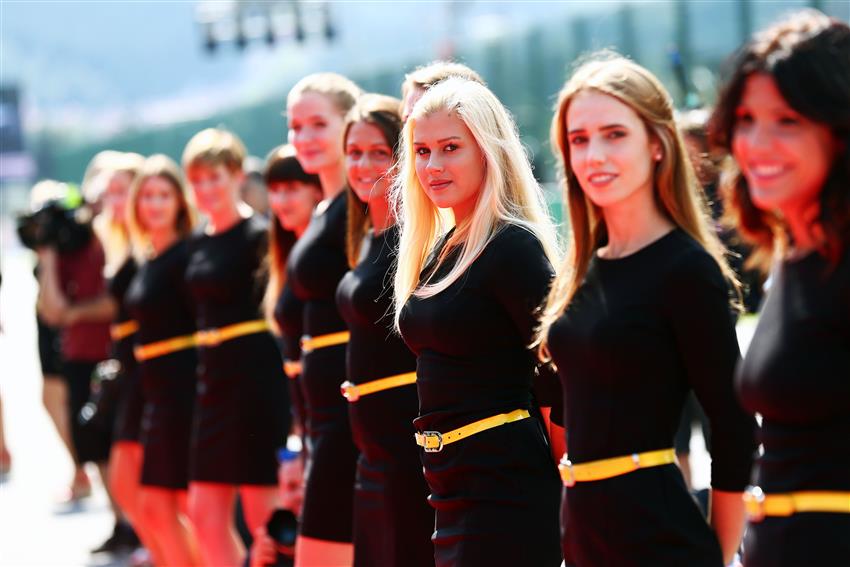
(639, 315)
(785, 116)
(315, 110)
(242, 406)
(161, 218)
(392, 519)
(464, 303)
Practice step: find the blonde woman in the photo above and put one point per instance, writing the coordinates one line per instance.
(160, 218)
(475, 258)
(315, 111)
(639, 315)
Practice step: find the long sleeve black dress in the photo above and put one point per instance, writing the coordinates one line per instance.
(797, 376)
(128, 418)
(159, 301)
(496, 493)
(289, 315)
(316, 264)
(639, 334)
(243, 414)
(392, 520)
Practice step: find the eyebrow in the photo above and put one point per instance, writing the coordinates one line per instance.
(440, 141)
(606, 127)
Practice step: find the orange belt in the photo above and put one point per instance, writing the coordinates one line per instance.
(616, 466)
(309, 343)
(163, 347)
(123, 330)
(434, 441)
(758, 504)
(352, 392)
(214, 337)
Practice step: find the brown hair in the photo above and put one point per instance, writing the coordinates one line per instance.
(382, 112)
(212, 147)
(677, 192)
(436, 71)
(159, 165)
(808, 56)
(281, 166)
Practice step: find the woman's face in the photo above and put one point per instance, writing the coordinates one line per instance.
(315, 129)
(449, 163)
(157, 205)
(611, 152)
(293, 202)
(216, 188)
(115, 195)
(368, 160)
(784, 156)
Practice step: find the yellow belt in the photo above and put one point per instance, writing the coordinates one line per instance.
(214, 337)
(123, 330)
(205, 338)
(759, 504)
(433, 441)
(292, 368)
(163, 347)
(616, 466)
(309, 343)
(352, 392)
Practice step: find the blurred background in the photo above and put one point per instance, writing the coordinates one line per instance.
(77, 77)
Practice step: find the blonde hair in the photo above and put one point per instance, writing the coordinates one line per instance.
(432, 73)
(509, 195)
(158, 165)
(112, 232)
(677, 191)
(213, 147)
(342, 91)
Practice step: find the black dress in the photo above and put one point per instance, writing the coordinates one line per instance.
(639, 334)
(159, 301)
(128, 417)
(242, 412)
(496, 494)
(797, 376)
(289, 315)
(316, 264)
(392, 520)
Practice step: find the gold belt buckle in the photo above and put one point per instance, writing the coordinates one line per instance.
(209, 337)
(754, 503)
(432, 435)
(349, 391)
(305, 344)
(567, 475)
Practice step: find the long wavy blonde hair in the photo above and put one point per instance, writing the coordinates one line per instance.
(509, 195)
(677, 191)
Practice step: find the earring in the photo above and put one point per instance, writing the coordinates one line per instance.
(658, 156)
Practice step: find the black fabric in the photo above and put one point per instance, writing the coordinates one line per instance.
(289, 315)
(496, 494)
(49, 349)
(392, 520)
(797, 376)
(242, 411)
(639, 334)
(91, 444)
(158, 299)
(316, 264)
(130, 401)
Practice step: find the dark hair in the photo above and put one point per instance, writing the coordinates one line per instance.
(281, 166)
(383, 113)
(808, 56)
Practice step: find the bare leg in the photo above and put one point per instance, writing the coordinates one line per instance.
(211, 509)
(310, 552)
(54, 396)
(125, 471)
(258, 503)
(160, 510)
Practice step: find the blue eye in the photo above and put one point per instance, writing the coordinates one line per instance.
(450, 147)
(421, 151)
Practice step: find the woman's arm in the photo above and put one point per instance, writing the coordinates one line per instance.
(94, 310)
(726, 514)
(52, 303)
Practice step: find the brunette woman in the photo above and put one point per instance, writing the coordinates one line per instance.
(392, 520)
(785, 116)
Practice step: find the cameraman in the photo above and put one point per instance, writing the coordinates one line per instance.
(74, 295)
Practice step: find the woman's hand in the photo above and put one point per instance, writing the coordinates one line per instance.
(263, 551)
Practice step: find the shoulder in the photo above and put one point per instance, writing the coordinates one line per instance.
(516, 253)
(689, 267)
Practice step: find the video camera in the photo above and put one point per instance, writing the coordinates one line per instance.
(56, 225)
